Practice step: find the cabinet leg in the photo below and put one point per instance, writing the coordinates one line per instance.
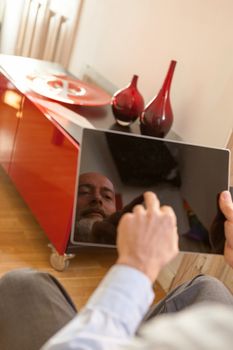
(59, 262)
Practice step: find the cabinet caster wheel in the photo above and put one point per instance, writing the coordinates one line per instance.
(59, 262)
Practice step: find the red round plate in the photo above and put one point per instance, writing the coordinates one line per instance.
(70, 90)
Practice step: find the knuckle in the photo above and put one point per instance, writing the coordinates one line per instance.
(126, 217)
(169, 213)
(152, 211)
(137, 207)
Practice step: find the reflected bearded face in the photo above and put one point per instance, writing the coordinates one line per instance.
(95, 202)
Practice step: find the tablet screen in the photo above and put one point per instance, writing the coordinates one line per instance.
(187, 177)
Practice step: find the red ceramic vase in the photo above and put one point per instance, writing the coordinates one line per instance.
(127, 103)
(157, 118)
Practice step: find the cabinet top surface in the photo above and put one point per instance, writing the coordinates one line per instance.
(21, 70)
(72, 118)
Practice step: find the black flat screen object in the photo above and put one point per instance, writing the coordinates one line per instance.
(187, 177)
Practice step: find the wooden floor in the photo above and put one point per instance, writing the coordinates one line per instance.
(24, 244)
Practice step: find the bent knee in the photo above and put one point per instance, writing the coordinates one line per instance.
(25, 278)
(209, 283)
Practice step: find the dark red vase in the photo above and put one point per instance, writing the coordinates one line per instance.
(157, 118)
(127, 103)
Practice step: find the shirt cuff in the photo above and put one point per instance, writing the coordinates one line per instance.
(125, 293)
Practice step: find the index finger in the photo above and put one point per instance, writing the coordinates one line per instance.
(151, 201)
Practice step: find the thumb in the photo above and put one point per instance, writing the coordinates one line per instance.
(226, 205)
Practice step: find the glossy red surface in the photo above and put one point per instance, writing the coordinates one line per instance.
(43, 168)
(43, 165)
(10, 104)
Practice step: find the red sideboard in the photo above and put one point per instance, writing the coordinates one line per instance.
(41, 159)
(39, 147)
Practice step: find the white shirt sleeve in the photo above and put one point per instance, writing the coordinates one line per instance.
(112, 314)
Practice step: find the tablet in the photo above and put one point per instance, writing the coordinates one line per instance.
(187, 177)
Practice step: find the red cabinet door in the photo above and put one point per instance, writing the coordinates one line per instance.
(10, 104)
(43, 168)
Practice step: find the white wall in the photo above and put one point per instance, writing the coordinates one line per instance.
(118, 38)
(10, 26)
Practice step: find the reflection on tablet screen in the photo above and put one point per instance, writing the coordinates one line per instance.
(116, 169)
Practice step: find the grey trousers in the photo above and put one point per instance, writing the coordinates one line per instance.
(34, 305)
(200, 289)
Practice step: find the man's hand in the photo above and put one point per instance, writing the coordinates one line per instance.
(147, 238)
(226, 206)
